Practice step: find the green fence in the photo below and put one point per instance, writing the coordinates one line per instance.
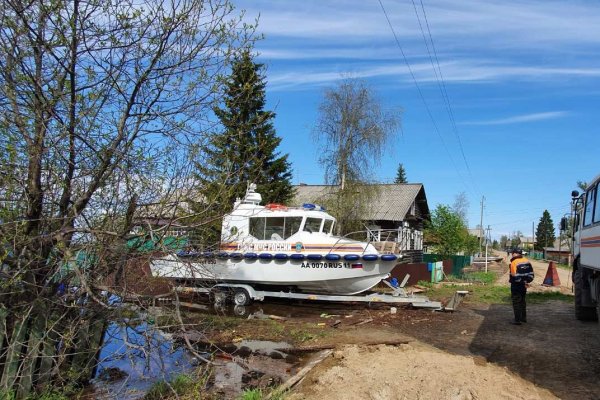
(458, 262)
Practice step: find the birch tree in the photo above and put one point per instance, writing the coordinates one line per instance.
(101, 103)
(352, 130)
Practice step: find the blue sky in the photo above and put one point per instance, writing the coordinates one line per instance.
(522, 79)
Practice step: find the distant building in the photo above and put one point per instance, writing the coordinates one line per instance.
(560, 251)
(527, 242)
(397, 215)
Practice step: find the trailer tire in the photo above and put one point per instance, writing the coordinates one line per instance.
(241, 297)
(582, 313)
(217, 296)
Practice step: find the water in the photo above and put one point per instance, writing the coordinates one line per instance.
(143, 354)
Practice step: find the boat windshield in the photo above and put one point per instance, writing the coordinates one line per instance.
(313, 225)
(328, 225)
(274, 228)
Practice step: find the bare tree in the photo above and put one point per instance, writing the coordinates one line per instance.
(353, 131)
(101, 103)
(461, 207)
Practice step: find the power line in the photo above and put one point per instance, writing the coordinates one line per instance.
(442, 85)
(421, 94)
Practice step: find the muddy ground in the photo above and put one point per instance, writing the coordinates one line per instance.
(472, 353)
(552, 355)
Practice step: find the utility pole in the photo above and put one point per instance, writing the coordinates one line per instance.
(481, 225)
(533, 236)
(487, 236)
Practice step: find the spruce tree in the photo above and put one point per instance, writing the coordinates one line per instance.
(400, 175)
(246, 149)
(544, 234)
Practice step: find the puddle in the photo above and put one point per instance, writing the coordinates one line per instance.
(133, 358)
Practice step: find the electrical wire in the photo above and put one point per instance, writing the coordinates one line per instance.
(427, 108)
(441, 83)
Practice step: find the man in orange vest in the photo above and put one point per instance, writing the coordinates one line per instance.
(521, 275)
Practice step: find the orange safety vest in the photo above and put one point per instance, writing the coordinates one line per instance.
(521, 270)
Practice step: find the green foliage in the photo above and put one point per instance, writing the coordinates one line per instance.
(252, 394)
(504, 242)
(246, 150)
(481, 276)
(178, 386)
(542, 297)
(545, 234)
(447, 233)
(49, 396)
(400, 175)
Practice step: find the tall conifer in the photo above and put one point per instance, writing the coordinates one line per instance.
(544, 235)
(246, 150)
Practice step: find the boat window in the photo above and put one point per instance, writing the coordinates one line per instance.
(274, 228)
(327, 225)
(257, 228)
(292, 226)
(313, 225)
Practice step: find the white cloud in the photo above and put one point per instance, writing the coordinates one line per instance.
(467, 71)
(479, 24)
(521, 118)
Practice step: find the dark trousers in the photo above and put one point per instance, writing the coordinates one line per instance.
(519, 305)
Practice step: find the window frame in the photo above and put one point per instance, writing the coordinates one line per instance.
(590, 197)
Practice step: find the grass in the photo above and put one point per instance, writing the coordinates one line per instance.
(180, 385)
(258, 394)
(483, 290)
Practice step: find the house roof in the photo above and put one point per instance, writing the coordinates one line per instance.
(392, 203)
(526, 239)
(477, 232)
(558, 246)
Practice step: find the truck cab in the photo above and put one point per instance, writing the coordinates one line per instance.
(586, 250)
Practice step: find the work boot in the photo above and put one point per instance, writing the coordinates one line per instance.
(515, 322)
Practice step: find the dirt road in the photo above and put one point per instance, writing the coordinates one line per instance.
(540, 269)
(473, 353)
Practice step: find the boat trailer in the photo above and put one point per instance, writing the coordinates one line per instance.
(243, 294)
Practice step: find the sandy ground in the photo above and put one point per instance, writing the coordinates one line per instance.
(473, 353)
(415, 371)
(540, 269)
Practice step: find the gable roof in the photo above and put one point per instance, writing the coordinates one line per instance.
(392, 203)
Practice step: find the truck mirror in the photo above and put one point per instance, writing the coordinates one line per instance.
(564, 224)
(574, 193)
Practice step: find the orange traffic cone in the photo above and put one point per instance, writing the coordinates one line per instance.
(551, 278)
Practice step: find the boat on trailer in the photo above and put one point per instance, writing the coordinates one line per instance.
(275, 246)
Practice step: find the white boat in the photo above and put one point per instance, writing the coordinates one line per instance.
(275, 246)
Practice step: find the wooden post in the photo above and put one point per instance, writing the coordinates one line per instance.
(11, 366)
(33, 351)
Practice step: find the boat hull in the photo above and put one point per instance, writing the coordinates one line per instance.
(325, 277)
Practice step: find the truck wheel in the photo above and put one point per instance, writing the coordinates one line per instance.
(241, 297)
(582, 313)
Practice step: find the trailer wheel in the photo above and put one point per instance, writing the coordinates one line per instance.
(217, 296)
(240, 311)
(241, 297)
(582, 313)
